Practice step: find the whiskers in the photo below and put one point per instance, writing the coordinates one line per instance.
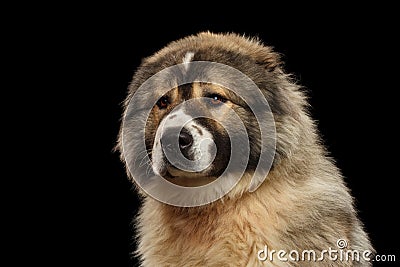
(144, 161)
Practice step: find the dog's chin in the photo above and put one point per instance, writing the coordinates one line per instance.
(187, 179)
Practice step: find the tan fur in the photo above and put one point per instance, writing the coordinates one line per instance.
(303, 204)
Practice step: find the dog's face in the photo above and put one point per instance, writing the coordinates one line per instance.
(196, 118)
(186, 135)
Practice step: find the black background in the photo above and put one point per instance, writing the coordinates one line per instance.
(342, 55)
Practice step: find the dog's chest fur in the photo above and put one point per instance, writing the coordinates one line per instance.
(211, 236)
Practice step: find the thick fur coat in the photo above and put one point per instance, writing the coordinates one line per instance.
(303, 204)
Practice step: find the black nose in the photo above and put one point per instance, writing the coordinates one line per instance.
(185, 140)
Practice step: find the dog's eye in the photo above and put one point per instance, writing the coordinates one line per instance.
(216, 99)
(163, 102)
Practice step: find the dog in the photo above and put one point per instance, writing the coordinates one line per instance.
(199, 111)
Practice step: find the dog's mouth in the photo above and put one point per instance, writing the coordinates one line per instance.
(175, 172)
(188, 179)
(184, 178)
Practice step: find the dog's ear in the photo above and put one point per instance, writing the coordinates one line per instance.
(269, 60)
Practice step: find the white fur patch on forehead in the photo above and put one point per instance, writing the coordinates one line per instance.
(187, 58)
(176, 118)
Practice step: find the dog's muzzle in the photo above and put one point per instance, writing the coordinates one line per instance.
(185, 141)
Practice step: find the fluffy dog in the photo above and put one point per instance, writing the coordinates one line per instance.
(302, 204)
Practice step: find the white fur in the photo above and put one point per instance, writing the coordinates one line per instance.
(186, 59)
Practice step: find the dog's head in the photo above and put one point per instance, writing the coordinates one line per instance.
(195, 116)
